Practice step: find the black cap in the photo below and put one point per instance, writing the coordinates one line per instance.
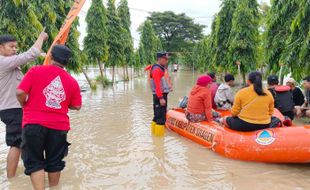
(273, 80)
(61, 54)
(229, 77)
(162, 54)
(212, 75)
(7, 38)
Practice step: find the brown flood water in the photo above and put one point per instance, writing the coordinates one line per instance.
(112, 149)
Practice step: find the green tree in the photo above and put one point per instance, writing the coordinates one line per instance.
(25, 20)
(279, 21)
(95, 43)
(142, 58)
(264, 10)
(297, 53)
(243, 39)
(150, 43)
(177, 32)
(137, 63)
(124, 14)
(200, 54)
(115, 40)
(222, 31)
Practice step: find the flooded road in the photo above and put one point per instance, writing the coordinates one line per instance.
(112, 149)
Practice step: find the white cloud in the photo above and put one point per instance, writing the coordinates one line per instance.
(202, 10)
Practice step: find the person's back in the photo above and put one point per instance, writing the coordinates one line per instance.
(224, 96)
(50, 97)
(46, 93)
(199, 105)
(282, 95)
(253, 106)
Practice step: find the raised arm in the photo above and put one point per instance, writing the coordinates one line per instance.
(12, 62)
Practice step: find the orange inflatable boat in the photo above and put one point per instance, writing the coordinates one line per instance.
(273, 145)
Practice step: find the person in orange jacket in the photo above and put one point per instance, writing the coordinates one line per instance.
(199, 107)
(160, 86)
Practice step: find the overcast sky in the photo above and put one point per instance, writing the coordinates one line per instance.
(201, 10)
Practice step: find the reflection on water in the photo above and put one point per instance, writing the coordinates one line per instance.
(112, 149)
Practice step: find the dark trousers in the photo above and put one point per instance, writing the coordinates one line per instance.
(238, 124)
(160, 111)
(289, 114)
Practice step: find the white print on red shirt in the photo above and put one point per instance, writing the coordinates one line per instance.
(54, 94)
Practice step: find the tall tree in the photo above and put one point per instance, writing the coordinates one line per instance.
(142, 58)
(243, 39)
(177, 32)
(149, 42)
(25, 19)
(200, 54)
(115, 40)
(297, 53)
(137, 63)
(95, 43)
(279, 21)
(124, 14)
(20, 19)
(222, 32)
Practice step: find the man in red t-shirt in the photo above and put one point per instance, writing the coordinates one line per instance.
(46, 93)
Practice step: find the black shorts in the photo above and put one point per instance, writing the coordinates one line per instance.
(238, 124)
(12, 118)
(43, 148)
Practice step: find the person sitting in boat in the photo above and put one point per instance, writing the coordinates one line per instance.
(213, 87)
(199, 106)
(224, 96)
(283, 97)
(298, 96)
(253, 106)
(304, 110)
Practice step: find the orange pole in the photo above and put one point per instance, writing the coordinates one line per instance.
(62, 36)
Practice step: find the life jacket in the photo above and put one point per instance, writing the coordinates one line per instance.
(165, 82)
(283, 98)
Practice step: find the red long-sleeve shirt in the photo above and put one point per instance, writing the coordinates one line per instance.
(157, 73)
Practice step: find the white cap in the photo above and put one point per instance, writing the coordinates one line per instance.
(291, 80)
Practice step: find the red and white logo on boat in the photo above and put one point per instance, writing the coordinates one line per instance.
(265, 137)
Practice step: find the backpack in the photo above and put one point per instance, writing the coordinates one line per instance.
(283, 99)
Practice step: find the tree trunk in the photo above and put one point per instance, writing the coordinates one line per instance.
(243, 79)
(101, 73)
(113, 74)
(87, 78)
(127, 73)
(124, 73)
(105, 71)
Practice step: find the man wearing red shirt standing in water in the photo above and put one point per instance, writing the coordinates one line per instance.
(46, 93)
(160, 89)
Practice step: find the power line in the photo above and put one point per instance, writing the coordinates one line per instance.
(150, 12)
